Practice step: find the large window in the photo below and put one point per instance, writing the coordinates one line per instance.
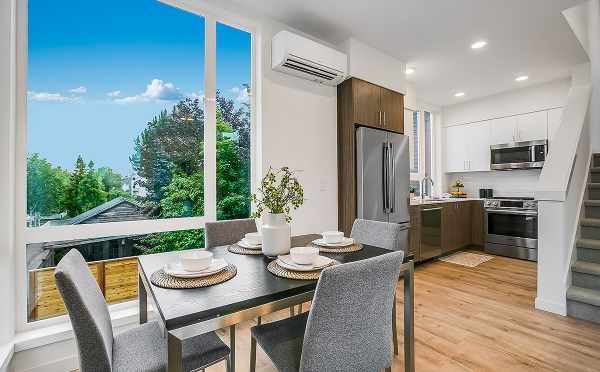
(138, 132)
(420, 131)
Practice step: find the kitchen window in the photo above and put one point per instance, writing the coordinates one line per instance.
(420, 132)
(138, 120)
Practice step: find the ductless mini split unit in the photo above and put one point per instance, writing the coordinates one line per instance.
(299, 56)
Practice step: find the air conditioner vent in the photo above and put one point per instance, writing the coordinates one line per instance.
(307, 59)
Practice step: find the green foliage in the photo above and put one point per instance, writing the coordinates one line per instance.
(280, 191)
(184, 196)
(45, 186)
(171, 241)
(90, 192)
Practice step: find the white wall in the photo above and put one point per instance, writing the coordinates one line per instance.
(521, 101)
(7, 205)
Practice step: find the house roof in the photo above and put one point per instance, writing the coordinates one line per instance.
(93, 212)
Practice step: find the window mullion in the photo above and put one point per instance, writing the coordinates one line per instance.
(210, 127)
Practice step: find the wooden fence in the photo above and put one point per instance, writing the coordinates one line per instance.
(116, 278)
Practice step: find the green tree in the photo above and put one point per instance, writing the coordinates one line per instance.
(90, 193)
(45, 186)
(171, 241)
(112, 183)
(70, 200)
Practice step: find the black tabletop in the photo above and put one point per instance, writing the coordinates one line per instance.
(252, 286)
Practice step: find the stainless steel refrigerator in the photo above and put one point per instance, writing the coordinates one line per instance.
(383, 178)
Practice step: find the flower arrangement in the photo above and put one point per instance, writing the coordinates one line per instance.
(279, 192)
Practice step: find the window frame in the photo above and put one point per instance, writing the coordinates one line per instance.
(25, 235)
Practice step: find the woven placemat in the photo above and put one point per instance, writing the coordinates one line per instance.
(164, 280)
(234, 248)
(282, 272)
(347, 249)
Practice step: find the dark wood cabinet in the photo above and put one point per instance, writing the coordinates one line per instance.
(414, 233)
(360, 103)
(392, 106)
(462, 226)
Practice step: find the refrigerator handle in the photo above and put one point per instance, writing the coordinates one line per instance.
(392, 190)
(385, 177)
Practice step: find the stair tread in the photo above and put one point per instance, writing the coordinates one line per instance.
(585, 295)
(588, 243)
(586, 267)
(592, 203)
(590, 222)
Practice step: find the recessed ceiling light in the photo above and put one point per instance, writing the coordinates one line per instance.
(478, 44)
(459, 94)
(522, 78)
(409, 70)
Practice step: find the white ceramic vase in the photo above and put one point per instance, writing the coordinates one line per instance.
(275, 235)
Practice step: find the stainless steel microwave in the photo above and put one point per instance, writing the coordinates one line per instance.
(519, 155)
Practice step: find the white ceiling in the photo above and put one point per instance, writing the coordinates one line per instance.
(524, 37)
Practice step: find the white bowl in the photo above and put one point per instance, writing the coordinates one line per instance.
(304, 255)
(332, 237)
(253, 238)
(195, 260)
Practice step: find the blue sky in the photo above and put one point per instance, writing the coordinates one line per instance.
(98, 71)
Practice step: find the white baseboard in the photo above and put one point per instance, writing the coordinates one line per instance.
(551, 306)
(6, 354)
(62, 365)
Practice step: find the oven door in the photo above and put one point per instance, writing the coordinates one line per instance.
(511, 227)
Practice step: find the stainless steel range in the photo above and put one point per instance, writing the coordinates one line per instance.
(511, 227)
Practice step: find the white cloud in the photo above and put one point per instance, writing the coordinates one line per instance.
(157, 90)
(114, 94)
(241, 94)
(78, 90)
(49, 97)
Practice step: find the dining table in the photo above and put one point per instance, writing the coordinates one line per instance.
(253, 292)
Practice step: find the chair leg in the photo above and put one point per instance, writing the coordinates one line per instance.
(227, 364)
(232, 347)
(394, 331)
(252, 354)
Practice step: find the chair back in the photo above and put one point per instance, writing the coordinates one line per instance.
(227, 232)
(88, 312)
(349, 327)
(390, 236)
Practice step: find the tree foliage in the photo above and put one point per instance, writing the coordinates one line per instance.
(45, 186)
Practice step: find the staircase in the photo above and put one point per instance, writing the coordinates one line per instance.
(583, 297)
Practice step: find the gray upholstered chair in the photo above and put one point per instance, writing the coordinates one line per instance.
(348, 326)
(143, 348)
(390, 236)
(227, 232)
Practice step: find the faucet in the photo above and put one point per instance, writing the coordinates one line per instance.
(423, 183)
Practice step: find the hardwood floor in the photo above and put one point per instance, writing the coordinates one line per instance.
(479, 319)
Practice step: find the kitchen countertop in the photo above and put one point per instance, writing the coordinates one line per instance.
(419, 201)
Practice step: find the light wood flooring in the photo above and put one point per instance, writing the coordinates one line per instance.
(478, 319)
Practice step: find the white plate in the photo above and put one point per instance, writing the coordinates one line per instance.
(245, 244)
(175, 269)
(287, 263)
(344, 243)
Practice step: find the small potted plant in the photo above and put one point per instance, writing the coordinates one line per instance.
(412, 190)
(458, 194)
(278, 194)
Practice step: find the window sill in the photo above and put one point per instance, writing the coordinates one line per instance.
(122, 317)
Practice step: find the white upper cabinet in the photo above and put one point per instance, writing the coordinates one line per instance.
(468, 147)
(532, 127)
(479, 146)
(554, 117)
(503, 130)
(456, 148)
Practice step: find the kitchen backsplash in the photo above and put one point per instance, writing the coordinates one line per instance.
(504, 183)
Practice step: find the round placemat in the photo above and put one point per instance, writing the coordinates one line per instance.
(164, 280)
(347, 249)
(282, 272)
(234, 248)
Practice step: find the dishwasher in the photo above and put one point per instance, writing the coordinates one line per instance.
(431, 233)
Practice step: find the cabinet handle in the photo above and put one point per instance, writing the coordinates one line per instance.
(380, 118)
(384, 120)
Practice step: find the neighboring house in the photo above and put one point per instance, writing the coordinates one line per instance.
(116, 210)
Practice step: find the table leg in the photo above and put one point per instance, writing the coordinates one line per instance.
(175, 354)
(232, 346)
(395, 332)
(142, 300)
(409, 318)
